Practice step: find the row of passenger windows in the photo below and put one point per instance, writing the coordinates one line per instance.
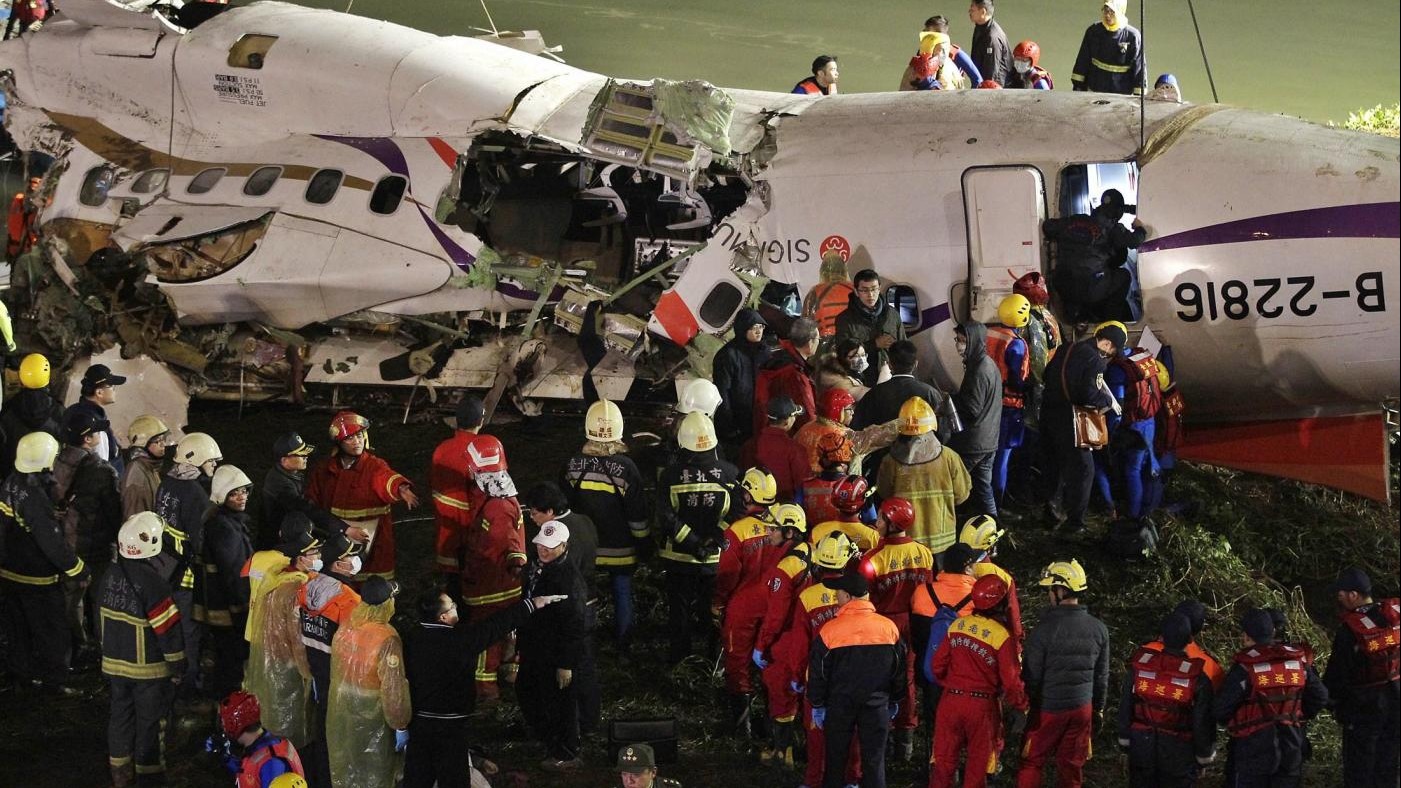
(321, 188)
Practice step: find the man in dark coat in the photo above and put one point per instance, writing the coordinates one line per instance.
(990, 50)
(979, 404)
(868, 319)
(85, 490)
(284, 491)
(1073, 377)
(733, 371)
(99, 389)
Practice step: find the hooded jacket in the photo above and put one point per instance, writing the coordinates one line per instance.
(979, 397)
(933, 478)
(734, 370)
(865, 326)
(31, 410)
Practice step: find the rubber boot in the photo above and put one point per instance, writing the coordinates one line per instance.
(780, 750)
(903, 745)
(739, 715)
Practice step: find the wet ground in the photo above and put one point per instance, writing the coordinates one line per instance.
(47, 742)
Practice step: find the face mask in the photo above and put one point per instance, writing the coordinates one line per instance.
(1022, 66)
(317, 565)
(859, 364)
(355, 564)
(961, 346)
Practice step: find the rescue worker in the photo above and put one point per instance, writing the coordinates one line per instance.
(950, 584)
(835, 410)
(1363, 682)
(1165, 715)
(823, 80)
(977, 404)
(1090, 276)
(857, 679)
(1270, 690)
(991, 52)
(1065, 665)
(1042, 336)
(882, 404)
(360, 488)
(1111, 54)
(873, 322)
(783, 582)
(835, 452)
(1132, 377)
(455, 498)
(182, 501)
(279, 672)
(368, 712)
(788, 373)
(324, 604)
(143, 652)
(284, 491)
(266, 568)
(550, 647)
(492, 551)
(1027, 73)
(221, 595)
(934, 67)
(90, 512)
(896, 568)
(148, 441)
(603, 483)
(829, 297)
(1009, 352)
(24, 206)
(1073, 377)
(696, 490)
(926, 473)
(1165, 88)
(734, 371)
(849, 499)
(637, 766)
(752, 545)
(98, 390)
(33, 409)
(976, 667)
(981, 533)
(774, 448)
(1195, 613)
(265, 755)
(967, 69)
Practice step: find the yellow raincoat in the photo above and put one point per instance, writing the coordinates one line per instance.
(369, 699)
(277, 671)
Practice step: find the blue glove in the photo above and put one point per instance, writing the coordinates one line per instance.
(795, 686)
(758, 657)
(819, 716)
(401, 740)
(894, 710)
(232, 764)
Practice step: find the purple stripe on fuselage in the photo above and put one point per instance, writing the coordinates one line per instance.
(932, 316)
(382, 149)
(1372, 220)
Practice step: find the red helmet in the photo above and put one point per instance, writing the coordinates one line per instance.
(239, 712)
(1032, 287)
(898, 513)
(988, 84)
(849, 494)
(989, 592)
(835, 448)
(1028, 50)
(833, 402)
(485, 454)
(348, 423)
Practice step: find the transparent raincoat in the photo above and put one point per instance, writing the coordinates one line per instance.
(277, 671)
(369, 699)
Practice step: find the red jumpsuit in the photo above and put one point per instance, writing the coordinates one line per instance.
(815, 606)
(361, 495)
(456, 498)
(895, 569)
(1014, 607)
(783, 583)
(745, 561)
(977, 665)
(493, 554)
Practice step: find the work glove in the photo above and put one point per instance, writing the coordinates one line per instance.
(759, 661)
(545, 601)
(564, 676)
(819, 716)
(1017, 726)
(1124, 744)
(1207, 760)
(894, 710)
(796, 686)
(401, 740)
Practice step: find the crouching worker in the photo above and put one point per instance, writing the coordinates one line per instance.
(265, 755)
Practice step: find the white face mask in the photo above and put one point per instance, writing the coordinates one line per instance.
(317, 564)
(859, 364)
(355, 564)
(1022, 66)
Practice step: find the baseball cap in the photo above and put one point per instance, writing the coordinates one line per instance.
(1353, 579)
(850, 581)
(782, 407)
(300, 543)
(1258, 625)
(552, 534)
(99, 375)
(378, 590)
(81, 424)
(291, 444)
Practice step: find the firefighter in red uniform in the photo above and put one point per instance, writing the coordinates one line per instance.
(752, 545)
(782, 584)
(849, 499)
(455, 498)
(266, 756)
(977, 667)
(896, 568)
(1364, 680)
(360, 488)
(493, 552)
(1165, 720)
(834, 453)
(1267, 695)
(981, 533)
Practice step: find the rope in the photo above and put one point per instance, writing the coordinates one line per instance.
(1202, 46)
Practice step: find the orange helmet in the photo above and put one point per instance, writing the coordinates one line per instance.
(239, 712)
(1028, 50)
(988, 84)
(834, 448)
(347, 424)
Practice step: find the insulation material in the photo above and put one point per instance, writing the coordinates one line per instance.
(697, 110)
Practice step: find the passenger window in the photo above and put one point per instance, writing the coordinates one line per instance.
(250, 50)
(261, 181)
(721, 303)
(149, 181)
(388, 193)
(323, 186)
(206, 180)
(96, 184)
(906, 304)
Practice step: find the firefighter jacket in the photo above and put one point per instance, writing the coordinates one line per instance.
(745, 557)
(932, 477)
(979, 658)
(863, 536)
(268, 758)
(31, 410)
(90, 507)
(1165, 703)
(815, 606)
(697, 490)
(221, 590)
(284, 491)
(773, 448)
(1267, 694)
(857, 659)
(783, 582)
(1364, 664)
(895, 570)
(815, 496)
(493, 554)
(1210, 666)
(141, 637)
(1014, 605)
(34, 551)
(182, 501)
(1008, 351)
(456, 497)
(139, 483)
(607, 488)
(361, 495)
(324, 605)
(1110, 61)
(369, 699)
(279, 672)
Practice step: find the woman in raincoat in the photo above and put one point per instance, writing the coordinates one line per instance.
(368, 712)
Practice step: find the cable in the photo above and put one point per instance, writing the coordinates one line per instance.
(1202, 45)
(1143, 75)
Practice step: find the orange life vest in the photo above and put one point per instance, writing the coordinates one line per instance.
(999, 339)
(1378, 636)
(1164, 689)
(1277, 675)
(249, 776)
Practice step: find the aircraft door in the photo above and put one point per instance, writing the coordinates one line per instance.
(1003, 208)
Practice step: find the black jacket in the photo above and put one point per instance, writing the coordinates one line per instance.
(114, 449)
(1065, 661)
(1345, 665)
(979, 397)
(440, 661)
(1276, 749)
(882, 403)
(990, 52)
(283, 491)
(697, 491)
(866, 326)
(554, 637)
(733, 371)
(90, 506)
(143, 640)
(857, 659)
(1165, 752)
(182, 504)
(31, 410)
(1075, 371)
(32, 549)
(221, 590)
(1091, 244)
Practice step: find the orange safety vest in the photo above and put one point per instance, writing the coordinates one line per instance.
(1164, 690)
(825, 301)
(249, 777)
(999, 339)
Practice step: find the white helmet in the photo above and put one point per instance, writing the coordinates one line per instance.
(144, 429)
(227, 478)
(196, 449)
(36, 453)
(140, 535)
(697, 433)
(699, 396)
(604, 422)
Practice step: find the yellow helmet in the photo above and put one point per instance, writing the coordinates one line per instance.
(227, 478)
(196, 449)
(36, 452)
(34, 371)
(834, 551)
(140, 535)
(1014, 311)
(917, 417)
(289, 780)
(1164, 379)
(980, 532)
(697, 433)
(761, 486)
(789, 515)
(145, 429)
(1067, 574)
(1111, 323)
(604, 422)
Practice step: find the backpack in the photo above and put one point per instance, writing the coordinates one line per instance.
(938, 630)
(1132, 540)
(1143, 397)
